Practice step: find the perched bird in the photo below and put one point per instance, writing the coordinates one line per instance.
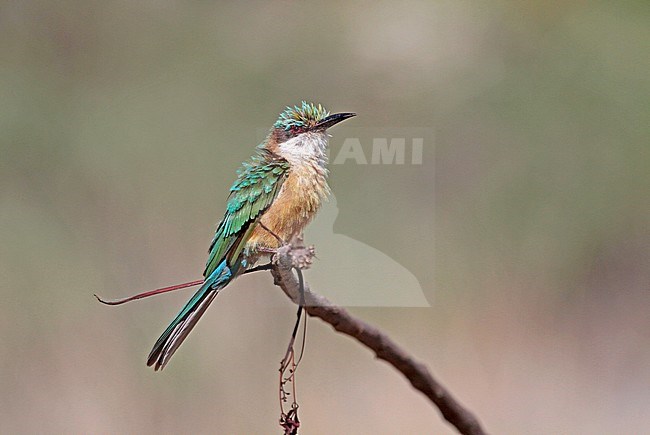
(276, 194)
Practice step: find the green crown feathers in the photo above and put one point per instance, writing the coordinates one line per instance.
(307, 114)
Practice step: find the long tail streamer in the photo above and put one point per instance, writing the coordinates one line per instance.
(150, 293)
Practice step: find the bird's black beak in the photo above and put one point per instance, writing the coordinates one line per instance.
(333, 119)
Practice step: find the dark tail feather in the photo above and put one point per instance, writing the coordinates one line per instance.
(182, 325)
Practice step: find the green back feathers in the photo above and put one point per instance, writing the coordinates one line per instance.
(305, 115)
(257, 185)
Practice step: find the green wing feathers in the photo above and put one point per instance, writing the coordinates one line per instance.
(257, 185)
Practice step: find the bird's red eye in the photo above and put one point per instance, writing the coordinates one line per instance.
(295, 129)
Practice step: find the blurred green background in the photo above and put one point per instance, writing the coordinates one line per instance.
(122, 124)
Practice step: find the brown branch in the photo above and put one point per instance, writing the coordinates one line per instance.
(384, 347)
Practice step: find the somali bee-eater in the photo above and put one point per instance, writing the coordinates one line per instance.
(276, 194)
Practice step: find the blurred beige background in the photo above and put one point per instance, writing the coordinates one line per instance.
(122, 124)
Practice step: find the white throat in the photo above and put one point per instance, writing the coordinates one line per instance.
(306, 148)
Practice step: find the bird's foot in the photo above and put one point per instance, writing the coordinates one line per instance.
(299, 255)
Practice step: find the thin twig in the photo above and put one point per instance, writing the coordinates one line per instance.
(289, 420)
(267, 266)
(384, 347)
